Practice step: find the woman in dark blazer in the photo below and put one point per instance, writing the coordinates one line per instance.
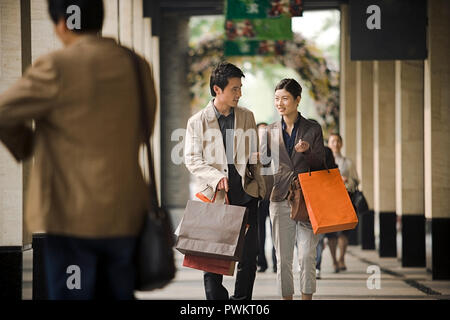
(295, 145)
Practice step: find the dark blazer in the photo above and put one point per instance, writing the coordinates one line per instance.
(285, 167)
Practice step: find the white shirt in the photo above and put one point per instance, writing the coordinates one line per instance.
(347, 170)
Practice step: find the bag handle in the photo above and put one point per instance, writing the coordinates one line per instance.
(143, 103)
(227, 201)
(324, 162)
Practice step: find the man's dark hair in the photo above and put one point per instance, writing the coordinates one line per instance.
(261, 124)
(291, 86)
(221, 73)
(91, 18)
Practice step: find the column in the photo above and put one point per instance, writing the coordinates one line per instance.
(15, 56)
(175, 108)
(364, 149)
(126, 23)
(384, 157)
(409, 168)
(347, 114)
(111, 19)
(43, 36)
(138, 26)
(43, 41)
(437, 140)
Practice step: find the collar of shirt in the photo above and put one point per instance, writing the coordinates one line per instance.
(296, 123)
(218, 114)
(289, 140)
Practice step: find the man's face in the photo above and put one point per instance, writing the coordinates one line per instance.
(231, 94)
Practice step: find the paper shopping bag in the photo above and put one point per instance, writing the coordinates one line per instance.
(329, 206)
(212, 230)
(214, 265)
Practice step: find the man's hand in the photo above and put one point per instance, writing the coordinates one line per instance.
(301, 146)
(223, 184)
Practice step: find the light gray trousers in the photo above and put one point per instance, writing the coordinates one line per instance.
(285, 232)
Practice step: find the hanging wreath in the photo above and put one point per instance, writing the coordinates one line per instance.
(322, 82)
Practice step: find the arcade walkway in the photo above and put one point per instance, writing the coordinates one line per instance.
(395, 282)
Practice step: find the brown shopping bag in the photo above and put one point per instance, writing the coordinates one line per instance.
(329, 206)
(212, 230)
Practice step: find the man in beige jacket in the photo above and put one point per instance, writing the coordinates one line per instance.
(86, 189)
(221, 152)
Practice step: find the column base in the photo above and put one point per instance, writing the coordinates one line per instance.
(413, 240)
(39, 279)
(367, 230)
(388, 234)
(11, 270)
(438, 247)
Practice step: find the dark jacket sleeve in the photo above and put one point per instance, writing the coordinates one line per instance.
(315, 155)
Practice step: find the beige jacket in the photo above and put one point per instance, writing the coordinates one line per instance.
(86, 180)
(205, 154)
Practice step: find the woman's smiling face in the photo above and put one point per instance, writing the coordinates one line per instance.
(285, 102)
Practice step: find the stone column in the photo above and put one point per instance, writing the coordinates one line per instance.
(126, 23)
(348, 89)
(43, 36)
(43, 41)
(409, 160)
(15, 57)
(175, 107)
(437, 140)
(384, 156)
(364, 148)
(138, 26)
(347, 114)
(111, 19)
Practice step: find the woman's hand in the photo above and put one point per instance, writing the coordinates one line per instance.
(301, 146)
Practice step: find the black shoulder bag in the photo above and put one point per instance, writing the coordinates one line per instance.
(155, 265)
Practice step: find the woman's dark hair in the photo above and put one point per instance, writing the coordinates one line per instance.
(291, 86)
(91, 13)
(221, 73)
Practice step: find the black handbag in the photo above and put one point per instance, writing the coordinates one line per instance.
(359, 202)
(155, 264)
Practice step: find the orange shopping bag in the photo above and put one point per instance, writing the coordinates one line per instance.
(329, 206)
(214, 265)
